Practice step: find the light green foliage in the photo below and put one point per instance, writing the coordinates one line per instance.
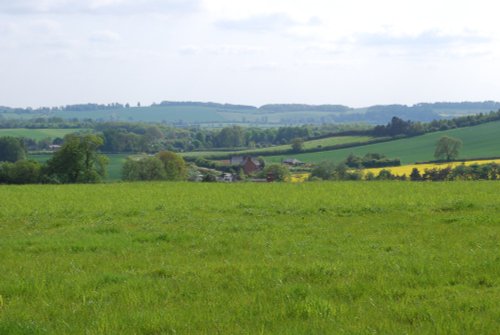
(313, 258)
(447, 148)
(479, 141)
(20, 172)
(174, 165)
(144, 168)
(165, 165)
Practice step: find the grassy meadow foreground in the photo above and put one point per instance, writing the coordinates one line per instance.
(313, 258)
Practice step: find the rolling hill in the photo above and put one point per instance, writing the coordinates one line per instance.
(478, 141)
(215, 114)
(312, 144)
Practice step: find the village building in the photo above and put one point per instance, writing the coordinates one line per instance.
(54, 147)
(292, 162)
(249, 164)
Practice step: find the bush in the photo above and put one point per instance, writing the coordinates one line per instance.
(174, 165)
(277, 172)
(323, 170)
(147, 168)
(21, 172)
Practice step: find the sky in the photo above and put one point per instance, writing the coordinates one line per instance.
(356, 53)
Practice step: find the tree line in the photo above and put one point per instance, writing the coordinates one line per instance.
(399, 127)
(78, 161)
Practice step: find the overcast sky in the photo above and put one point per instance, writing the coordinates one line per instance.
(356, 52)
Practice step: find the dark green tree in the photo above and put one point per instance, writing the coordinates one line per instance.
(277, 172)
(78, 160)
(231, 137)
(385, 175)
(447, 148)
(324, 170)
(415, 175)
(297, 144)
(11, 149)
(354, 161)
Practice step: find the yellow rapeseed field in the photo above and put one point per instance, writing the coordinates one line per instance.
(406, 169)
(299, 177)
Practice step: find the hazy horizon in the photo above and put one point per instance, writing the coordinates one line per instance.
(358, 53)
(135, 104)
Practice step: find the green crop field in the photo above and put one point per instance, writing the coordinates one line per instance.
(314, 258)
(115, 166)
(151, 114)
(336, 140)
(478, 141)
(38, 134)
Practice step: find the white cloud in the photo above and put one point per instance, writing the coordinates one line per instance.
(261, 23)
(427, 39)
(320, 51)
(190, 50)
(264, 67)
(223, 49)
(95, 6)
(105, 36)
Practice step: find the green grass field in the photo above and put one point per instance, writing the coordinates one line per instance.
(314, 258)
(479, 141)
(38, 134)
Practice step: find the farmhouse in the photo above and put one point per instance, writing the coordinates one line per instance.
(247, 163)
(54, 147)
(292, 161)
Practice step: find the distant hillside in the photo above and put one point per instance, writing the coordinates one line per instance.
(216, 114)
(480, 141)
(280, 108)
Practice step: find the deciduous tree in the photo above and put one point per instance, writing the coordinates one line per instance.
(78, 160)
(11, 149)
(174, 165)
(447, 148)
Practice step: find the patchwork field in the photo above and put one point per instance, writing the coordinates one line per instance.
(478, 141)
(329, 141)
(314, 258)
